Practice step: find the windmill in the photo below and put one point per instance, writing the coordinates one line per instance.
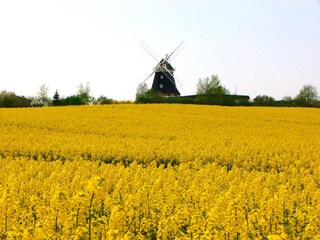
(164, 80)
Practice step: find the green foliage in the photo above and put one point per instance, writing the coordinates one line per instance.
(82, 97)
(84, 92)
(287, 99)
(211, 85)
(264, 100)
(209, 99)
(180, 100)
(73, 100)
(103, 100)
(56, 99)
(42, 98)
(150, 96)
(141, 89)
(224, 100)
(308, 96)
(10, 100)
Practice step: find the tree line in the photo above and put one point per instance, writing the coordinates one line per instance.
(81, 97)
(307, 97)
(211, 91)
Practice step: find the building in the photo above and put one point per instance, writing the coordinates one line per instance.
(164, 80)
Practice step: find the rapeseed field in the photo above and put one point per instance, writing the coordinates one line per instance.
(157, 171)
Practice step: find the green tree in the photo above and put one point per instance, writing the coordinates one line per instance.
(72, 100)
(308, 96)
(211, 85)
(6, 99)
(56, 99)
(141, 89)
(84, 92)
(10, 99)
(103, 100)
(287, 99)
(264, 100)
(42, 96)
(150, 96)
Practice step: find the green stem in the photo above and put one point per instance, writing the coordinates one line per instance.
(90, 216)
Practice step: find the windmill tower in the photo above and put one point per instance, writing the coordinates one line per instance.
(164, 80)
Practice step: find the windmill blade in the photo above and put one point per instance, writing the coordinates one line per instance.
(153, 70)
(162, 63)
(183, 46)
(144, 77)
(172, 78)
(149, 76)
(150, 51)
(167, 57)
(180, 85)
(168, 75)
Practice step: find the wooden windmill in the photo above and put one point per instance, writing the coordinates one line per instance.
(164, 80)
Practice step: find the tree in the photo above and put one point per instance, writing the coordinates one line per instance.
(264, 100)
(150, 96)
(145, 95)
(10, 99)
(103, 100)
(56, 99)
(307, 96)
(84, 92)
(141, 89)
(287, 99)
(6, 99)
(211, 85)
(72, 100)
(42, 96)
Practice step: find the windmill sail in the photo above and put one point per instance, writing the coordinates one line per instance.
(164, 80)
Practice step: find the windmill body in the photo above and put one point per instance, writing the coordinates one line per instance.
(164, 81)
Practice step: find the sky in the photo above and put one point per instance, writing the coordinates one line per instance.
(256, 47)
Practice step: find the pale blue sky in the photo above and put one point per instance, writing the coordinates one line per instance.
(267, 47)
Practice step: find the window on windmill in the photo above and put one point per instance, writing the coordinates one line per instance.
(161, 86)
(161, 76)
